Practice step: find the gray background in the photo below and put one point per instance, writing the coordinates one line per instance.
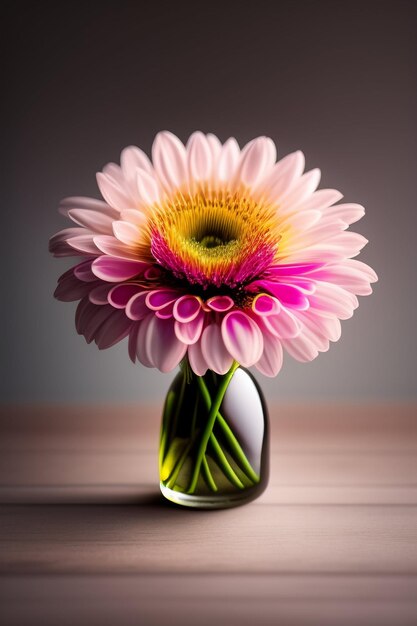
(335, 79)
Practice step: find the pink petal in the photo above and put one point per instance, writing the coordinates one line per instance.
(142, 345)
(242, 338)
(187, 308)
(70, 289)
(288, 295)
(196, 359)
(114, 329)
(162, 344)
(257, 160)
(133, 341)
(134, 216)
(84, 244)
(120, 295)
(263, 304)
(270, 362)
(305, 186)
(214, 351)
(115, 270)
(228, 160)
(199, 157)
(284, 175)
(283, 325)
(93, 220)
(190, 332)
(113, 193)
(136, 308)
(348, 213)
(58, 244)
(331, 300)
(159, 298)
(92, 204)
(83, 272)
(148, 188)
(301, 348)
(322, 199)
(169, 159)
(215, 147)
(220, 304)
(89, 318)
(99, 294)
(113, 247)
(132, 159)
(166, 312)
(127, 233)
(293, 269)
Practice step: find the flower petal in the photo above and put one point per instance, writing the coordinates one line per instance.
(270, 362)
(58, 244)
(228, 160)
(93, 220)
(136, 308)
(92, 204)
(99, 294)
(190, 332)
(264, 304)
(116, 327)
(187, 308)
(284, 325)
(257, 160)
(199, 157)
(133, 342)
(115, 270)
(242, 338)
(142, 343)
(162, 344)
(134, 216)
(132, 159)
(120, 295)
(158, 298)
(196, 359)
(84, 244)
(113, 193)
(220, 304)
(148, 188)
(169, 159)
(115, 248)
(214, 350)
(126, 232)
(288, 295)
(284, 175)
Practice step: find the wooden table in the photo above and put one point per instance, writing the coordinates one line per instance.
(86, 538)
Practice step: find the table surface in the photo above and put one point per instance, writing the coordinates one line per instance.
(86, 538)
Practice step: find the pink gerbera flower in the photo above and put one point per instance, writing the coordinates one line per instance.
(212, 253)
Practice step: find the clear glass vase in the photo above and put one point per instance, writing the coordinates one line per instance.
(214, 446)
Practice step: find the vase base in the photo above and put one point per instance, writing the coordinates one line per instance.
(225, 501)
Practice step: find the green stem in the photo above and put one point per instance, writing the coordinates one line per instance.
(210, 424)
(208, 475)
(174, 474)
(179, 403)
(224, 463)
(166, 420)
(230, 437)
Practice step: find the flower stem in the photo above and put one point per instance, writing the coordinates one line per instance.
(227, 468)
(210, 424)
(208, 475)
(228, 433)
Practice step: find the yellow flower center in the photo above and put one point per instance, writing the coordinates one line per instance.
(213, 238)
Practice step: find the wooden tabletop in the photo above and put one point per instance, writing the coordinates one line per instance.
(87, 539)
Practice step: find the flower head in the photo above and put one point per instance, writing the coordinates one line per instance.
(214, 253)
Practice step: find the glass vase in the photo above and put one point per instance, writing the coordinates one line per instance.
(214, 445)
